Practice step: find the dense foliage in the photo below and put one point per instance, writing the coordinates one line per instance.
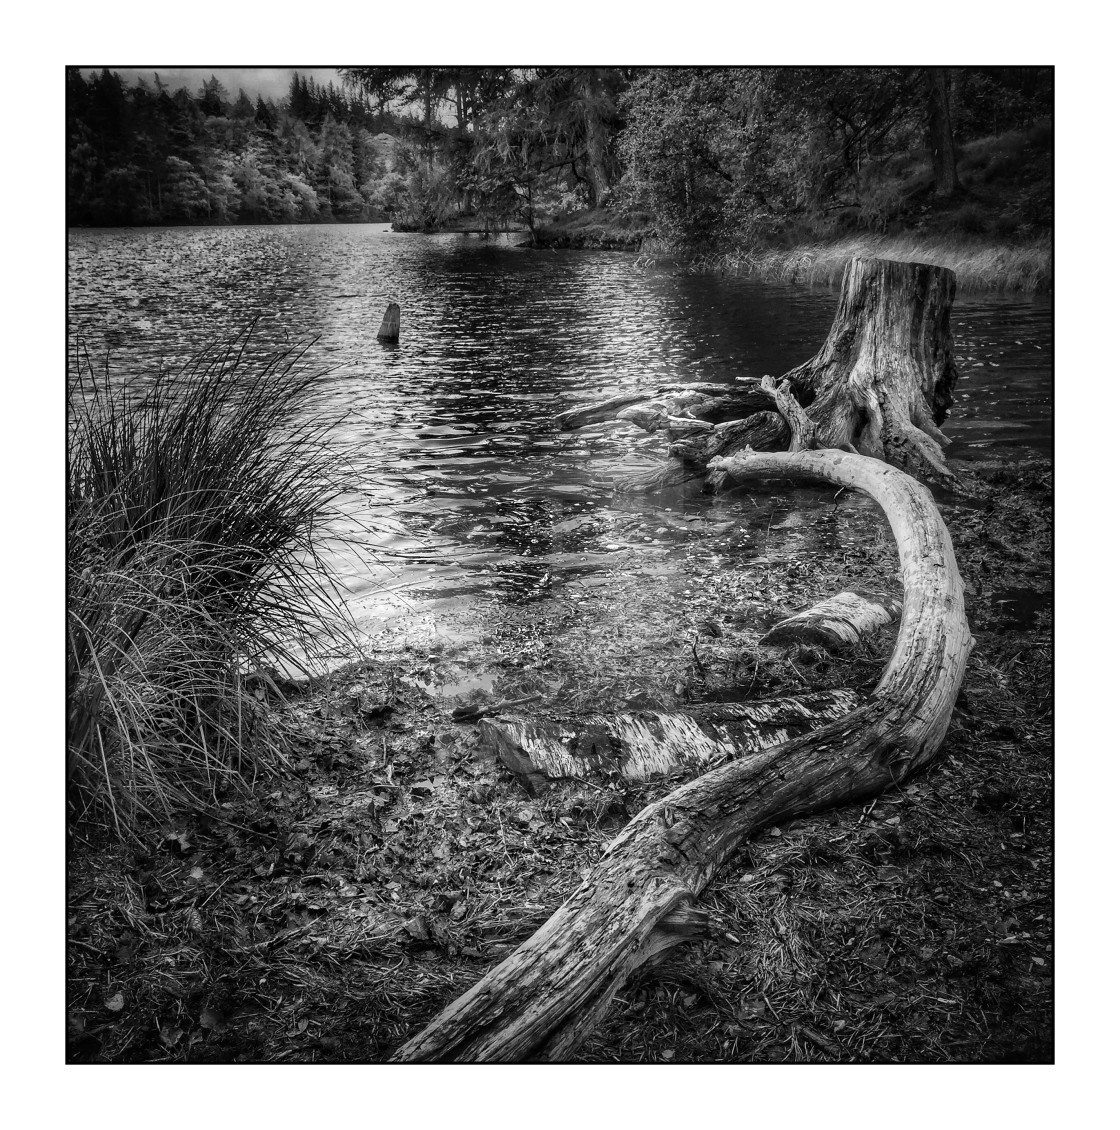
(727, 154)
(714, 155)
(146, 155)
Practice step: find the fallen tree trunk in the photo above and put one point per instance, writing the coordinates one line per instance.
(639, 901)
(879, 386)
(838, 623)
(639, 745)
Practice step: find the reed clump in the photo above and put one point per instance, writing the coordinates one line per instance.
(197, 505)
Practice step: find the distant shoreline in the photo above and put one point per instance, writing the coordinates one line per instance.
(981, 265)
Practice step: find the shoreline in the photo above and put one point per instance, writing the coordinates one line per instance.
(980, 265)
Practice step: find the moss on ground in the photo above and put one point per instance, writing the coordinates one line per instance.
(333, 914)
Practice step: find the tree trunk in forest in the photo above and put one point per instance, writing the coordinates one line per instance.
(597, 174)
(942, 149)
(639, 901)
(426, 79)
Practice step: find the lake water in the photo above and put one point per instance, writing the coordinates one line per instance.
(464, 489)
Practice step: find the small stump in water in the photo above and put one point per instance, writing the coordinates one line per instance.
(390, 324)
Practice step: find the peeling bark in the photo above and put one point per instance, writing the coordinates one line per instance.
(639, 745)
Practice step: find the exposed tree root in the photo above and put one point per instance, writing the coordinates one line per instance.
(639, 901)
(881, 384)
(875, 391)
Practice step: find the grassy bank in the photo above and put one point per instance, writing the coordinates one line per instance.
(978, 265)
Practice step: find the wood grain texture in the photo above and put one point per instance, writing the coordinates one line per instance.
(638, 902)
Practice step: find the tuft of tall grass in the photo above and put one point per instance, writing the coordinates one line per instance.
(196, 509)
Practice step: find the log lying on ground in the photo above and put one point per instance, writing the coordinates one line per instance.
(638, 902)
(639, 745)
(838, 623)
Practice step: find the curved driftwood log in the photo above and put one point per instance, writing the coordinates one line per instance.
(639, 901)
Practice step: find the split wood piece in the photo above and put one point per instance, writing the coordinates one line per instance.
(654, 417)
(638, 902)
(838, 623)
(764, 431)
(390, 324)
(639, 745)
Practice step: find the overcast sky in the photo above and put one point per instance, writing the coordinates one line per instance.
(271, 82)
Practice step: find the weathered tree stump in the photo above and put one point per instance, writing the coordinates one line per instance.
(880, 384)
(390, 324)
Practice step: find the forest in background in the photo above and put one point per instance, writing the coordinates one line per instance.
(704, 158)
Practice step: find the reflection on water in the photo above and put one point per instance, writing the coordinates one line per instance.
(462, 485)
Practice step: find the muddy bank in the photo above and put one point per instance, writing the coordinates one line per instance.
(333, 914)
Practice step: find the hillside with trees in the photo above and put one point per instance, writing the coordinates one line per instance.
(720, 161)
(149, 155)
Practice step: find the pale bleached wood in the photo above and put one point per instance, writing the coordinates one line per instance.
(837, 623)
(638, 902)
(639, 745)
